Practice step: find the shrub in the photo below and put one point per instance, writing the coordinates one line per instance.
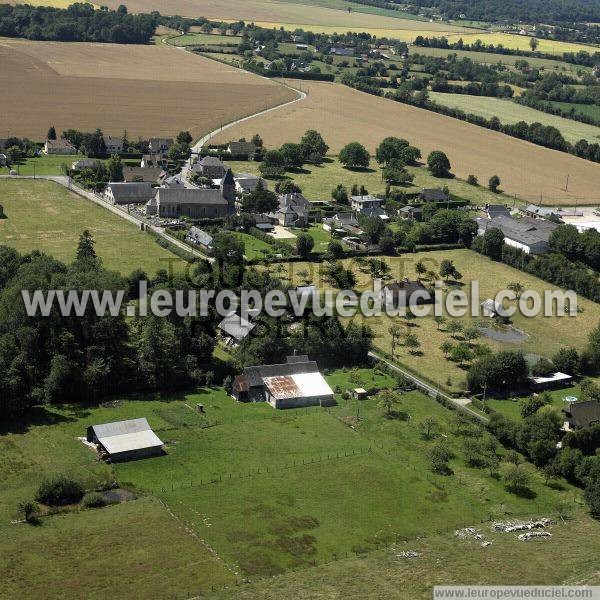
(59, 491)
(94, 500)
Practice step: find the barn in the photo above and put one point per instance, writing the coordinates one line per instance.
(125, 440)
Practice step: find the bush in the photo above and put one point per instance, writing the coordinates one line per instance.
(94, 500)
(60, 491)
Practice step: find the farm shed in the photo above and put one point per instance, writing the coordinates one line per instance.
(552, 382)
(126, 440)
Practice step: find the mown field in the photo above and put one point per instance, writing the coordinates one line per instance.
(545, 335)
(268, 491)
(588, 110)
(511, 112)
(128, 88)
(42, 215)
(343, 115)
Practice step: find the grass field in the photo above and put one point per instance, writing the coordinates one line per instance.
(588, 110)
(267, 490)
(42, 165)
(196, 39)
(511, 112)
(253, 246)
(128, 88)
(318, 182)
(545, 335)
(344, 115)
(42, 215)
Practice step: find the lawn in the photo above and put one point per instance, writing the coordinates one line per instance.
(510, 112)
(318, 182)
(43, 165)
(42, 215)
(254, 247)
(268, 490)
(545, 335)
(317, 233)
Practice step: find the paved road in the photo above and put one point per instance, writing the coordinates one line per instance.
(459, 403)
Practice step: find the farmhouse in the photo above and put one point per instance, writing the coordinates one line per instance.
(264, 222)
(433, 195)
(534, 211)
(84, 163)
(194, 203)
(125, 440)
(341, 223)
(375, 212)
(128, 193)
(196, 236)
(153, 160)
(342, 51)
(582, 415)
(529, 235)
(242, 149)
(401, 294)
(360, 203)
(210, 167)
(113, 144)
(159, 145)
(59, 147)
(293, 384)
(293, 210)
(411, 213)
(139, 174)
(246, 182)
(496, 210)
(234, 329)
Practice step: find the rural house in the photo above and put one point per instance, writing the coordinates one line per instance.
(529, 235)
(59, 147)
(210, 167)
(491, 309)
(159, 145)
(114, 145)
(149, 175)
(376, 212)
(264, 222)
(128, 193)
(401, 294)
(433, 195)
(293, 210)
(341, 224)
(294, 384)
(496, 210)
(360, 203)
(153, 160)
(194, 203)
(582, 415)
(125, 440)
(196, 236)
(539, 212)
(246, 182)
(234, 328)
(342, 51)
(411, 213)
(242, 149)
(84, 163)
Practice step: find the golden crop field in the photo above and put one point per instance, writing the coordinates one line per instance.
(146, 90)
(344, 115)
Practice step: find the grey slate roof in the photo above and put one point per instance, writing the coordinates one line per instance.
(130, 193)
(433, 195)
(525, 230)
(294, 366)
(190, 196)
(497, 210)
(584, 414)
(147, 174)
(211, 161)
(242, 147)
(200, 237)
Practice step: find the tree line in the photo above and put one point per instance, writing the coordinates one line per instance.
(80, 22)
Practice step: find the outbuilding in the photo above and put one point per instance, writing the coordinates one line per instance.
(125, 440)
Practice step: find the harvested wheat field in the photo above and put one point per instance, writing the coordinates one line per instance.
(343, 115)
(146, 90)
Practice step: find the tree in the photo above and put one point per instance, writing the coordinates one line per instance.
(354, 155)
(410, 155)
(387, 401)
(517, 287)
(257, 140)
(438, 164)
(59, 491)
(472, 180)
(420, 269)
(454, 328)
(567, 360)
(493, 243)
(502, 371)
(494, 183)
(395, 173)
(533, 44)
(532, 404)
(184, 138)
(28, 508)
(566, 240)
(85, 247)
(461, 353)
(335, 249)
(390, 148)
(516, 479)
(304, 245)
(447, 270)
(51, 135)
(591, 494)
(287, 186)
(313, 145)
(439, 321)
(439, 457)
(273, 164)
(340, 194)
(260, 200)
(428, 427)
(411, 341)
(114, 168)
(292, 155)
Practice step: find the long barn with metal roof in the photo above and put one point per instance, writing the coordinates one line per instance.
(125, 440)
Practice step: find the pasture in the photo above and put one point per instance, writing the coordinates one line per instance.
(587, 110)
(146, 90)
(42, 215)
(544, 335)
(266, 490)
(510, 112)
(343, 115)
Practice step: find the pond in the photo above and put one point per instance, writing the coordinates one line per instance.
(504, 334)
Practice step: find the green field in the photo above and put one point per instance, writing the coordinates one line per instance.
(587, 110)
(318, 182)
(42, 215)
(510, 112)
(267, 490)
(201, 39)
(254, 247)
(545, 335)
(43, 165)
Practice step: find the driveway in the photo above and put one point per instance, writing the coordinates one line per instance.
(281, 233)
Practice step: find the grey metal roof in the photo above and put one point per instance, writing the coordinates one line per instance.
(125, 436)
(298, 365)
(236, 326)
(525, 230)
(189, 196)
(365, 198)
(200, 237)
